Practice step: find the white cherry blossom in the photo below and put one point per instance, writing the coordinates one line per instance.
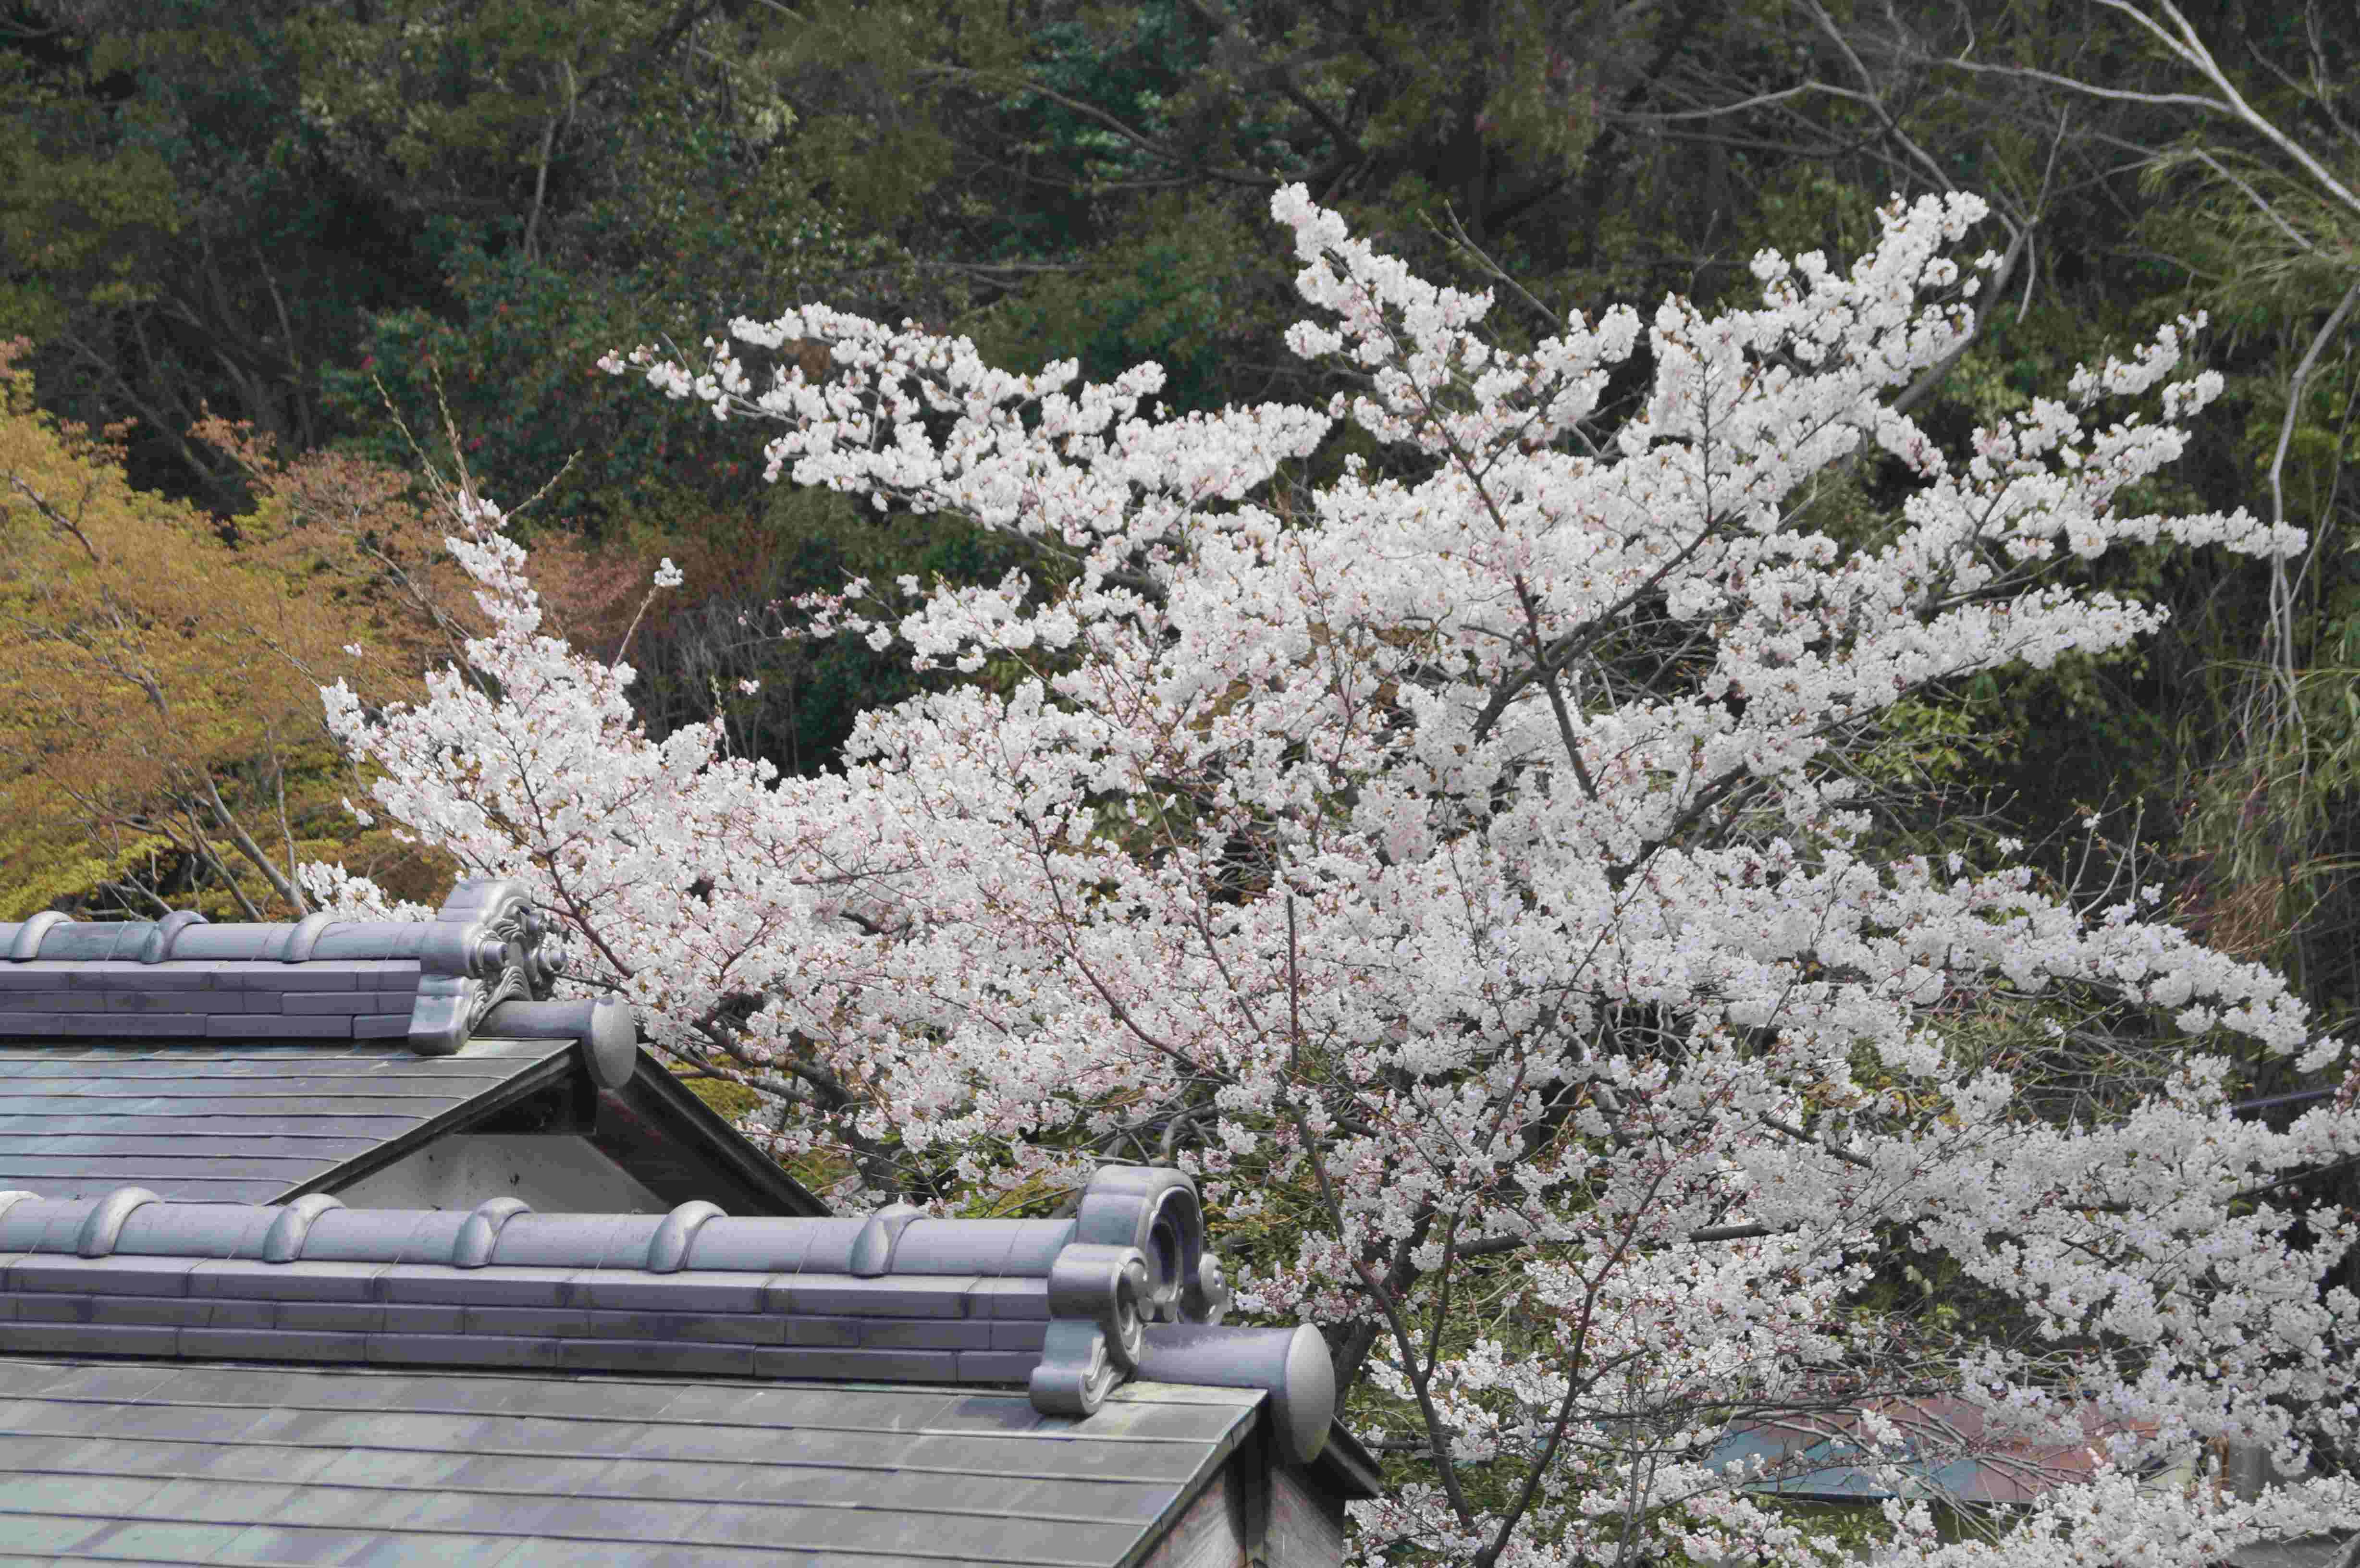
(1609, 992)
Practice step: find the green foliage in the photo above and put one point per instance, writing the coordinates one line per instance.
(79, 220)
(519, 368)
(742, 572)
(730, 1100)
(1133, 67)
(1167, 291)
(1935, 744)
(44, 871)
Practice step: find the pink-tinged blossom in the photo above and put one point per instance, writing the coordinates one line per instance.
(1523, 966)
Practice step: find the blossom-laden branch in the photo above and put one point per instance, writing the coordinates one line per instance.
(1323, 833)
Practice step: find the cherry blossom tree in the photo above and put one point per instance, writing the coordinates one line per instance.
(1597, 1061)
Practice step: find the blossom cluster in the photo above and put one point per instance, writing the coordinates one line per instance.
(1306, 836)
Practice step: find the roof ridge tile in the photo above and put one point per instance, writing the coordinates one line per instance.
(1073, 1319)
(433, 983)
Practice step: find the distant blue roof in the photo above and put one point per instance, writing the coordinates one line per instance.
(1945, 1455)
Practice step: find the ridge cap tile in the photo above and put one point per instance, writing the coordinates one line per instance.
(493, 1285)
(695, 1358)
(711, 1328)
(886, 1295)
(503, 1350)
(544, 1322)
(49, 1273)
(304, 1280)
(704, 1291)
(1014, 1297)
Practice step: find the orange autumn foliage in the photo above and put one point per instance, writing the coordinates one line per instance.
(161, 741)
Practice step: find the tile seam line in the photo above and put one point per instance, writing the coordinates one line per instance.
(127, 1133)
(140, 1562)
(273, 1093)
(167, 1370)
(197, 1134)
(50, 1065)
(121, 1172)
(67, 1361)
(119, 1064)
(201, 1158)
(385, 1529)
(386, 1068)
(1065, 1436)
(97, 1184)
(542, 1494)
(231, 1115)
(1164, 1482)
(141, 1050)
(271, 1445)
(374, 1079)
(135, 1133)
(116, 1176)
(508, 1560)
(94, 1050)
(161, 1085)
(204, 1156)
(648, 1420)
(135, 1562)
(14, 1092)
(10, 1175)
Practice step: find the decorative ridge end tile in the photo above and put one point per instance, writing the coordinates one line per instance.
(488, 946)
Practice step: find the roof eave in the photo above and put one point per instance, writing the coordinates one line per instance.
(559, 1066)
(1344, 1464)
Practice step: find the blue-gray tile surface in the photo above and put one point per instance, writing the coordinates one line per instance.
(230, 1463)
(226, 1121)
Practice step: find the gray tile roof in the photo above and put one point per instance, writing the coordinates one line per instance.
(253, 1063)
(246, 1465)
(243, 1122)
(1072, 1308)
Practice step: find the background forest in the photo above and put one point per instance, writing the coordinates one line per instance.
(269, 291)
